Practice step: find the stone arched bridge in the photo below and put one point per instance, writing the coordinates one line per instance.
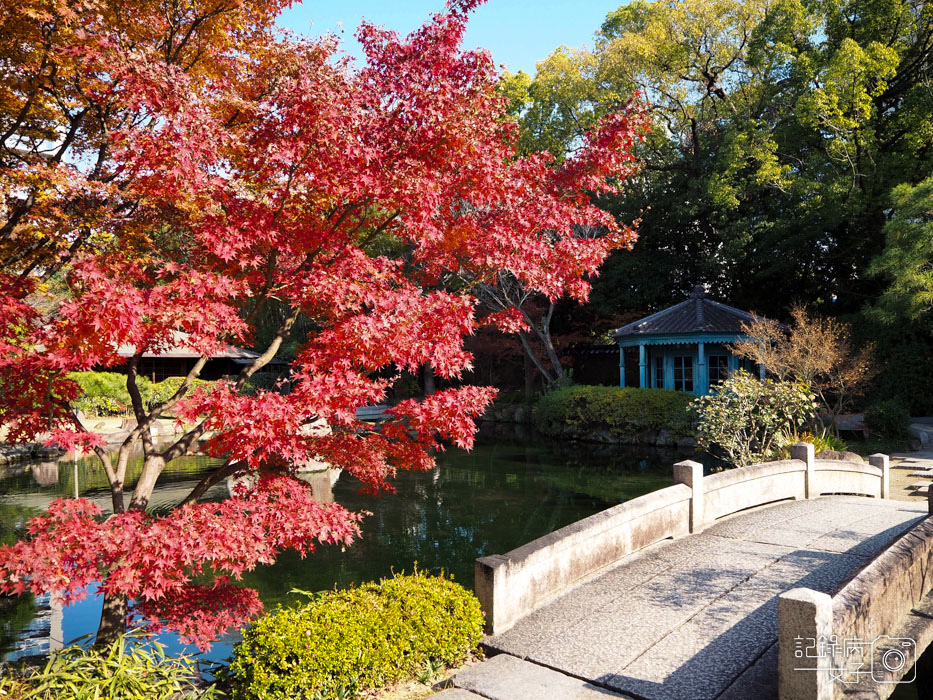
(791, 580)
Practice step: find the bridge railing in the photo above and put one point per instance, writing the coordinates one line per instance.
(512, 585)
(862, 640)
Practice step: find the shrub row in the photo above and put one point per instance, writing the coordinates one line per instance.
(343, 641)
(889, 418)
(105, 394)
(624, 412)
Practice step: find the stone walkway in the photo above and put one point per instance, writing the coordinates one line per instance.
(906, 471)
(689, 619)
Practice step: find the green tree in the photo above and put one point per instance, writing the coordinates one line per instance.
(780, 128)
(899, 322)
(907, 260)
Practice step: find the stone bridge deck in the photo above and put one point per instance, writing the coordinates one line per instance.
(696, 617)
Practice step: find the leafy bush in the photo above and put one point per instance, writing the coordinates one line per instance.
(267, 381)
(124, 671)
(164, 390)
(888, 418)
(626, 412)
(105, 394)
(347, 640)
(746, 417)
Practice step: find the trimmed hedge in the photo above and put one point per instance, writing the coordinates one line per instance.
(625, 412)
(344, 641)
(889, 418)
(105, 393)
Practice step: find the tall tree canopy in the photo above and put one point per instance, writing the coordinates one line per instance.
(218, 168)
(907, 261)
(67, 90)
(781, 127)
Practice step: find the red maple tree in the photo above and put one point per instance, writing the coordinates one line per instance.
(271, 180)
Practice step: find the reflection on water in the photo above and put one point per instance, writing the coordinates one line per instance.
(510, 489)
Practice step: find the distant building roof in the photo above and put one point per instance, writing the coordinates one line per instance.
(698, 314)
(180, 349)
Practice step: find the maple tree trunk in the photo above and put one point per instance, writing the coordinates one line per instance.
(112, 619)
(152, 468)
(529, 376)
(545, 335)
(115, 607)
(530, 354)
(429, 385)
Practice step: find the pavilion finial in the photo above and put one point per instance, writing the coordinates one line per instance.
(699, 292)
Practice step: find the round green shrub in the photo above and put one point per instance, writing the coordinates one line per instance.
(889, 418)
(343, 641)
(625, 412)
(105, 394)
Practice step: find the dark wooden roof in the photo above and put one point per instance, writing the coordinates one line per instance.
(698, 314)
(181, 349)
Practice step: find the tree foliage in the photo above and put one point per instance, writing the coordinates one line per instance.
(907, 261)
(816, 351)
(244, 169)
(780, 129)
(70, 75)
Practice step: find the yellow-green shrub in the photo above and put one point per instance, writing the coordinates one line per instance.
(345, 640)
(105, 393)
(625, 412)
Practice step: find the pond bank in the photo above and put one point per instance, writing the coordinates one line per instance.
(523, 414)
(12, 455)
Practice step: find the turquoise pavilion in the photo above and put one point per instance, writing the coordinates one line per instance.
(683, 347)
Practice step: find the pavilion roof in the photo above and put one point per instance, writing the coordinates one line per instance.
(696, 315)
(181, 349)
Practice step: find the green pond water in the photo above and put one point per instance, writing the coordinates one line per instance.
(513, 487)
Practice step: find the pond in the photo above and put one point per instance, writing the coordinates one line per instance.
(513, 487)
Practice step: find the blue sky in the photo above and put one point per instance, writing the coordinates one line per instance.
(518, 33)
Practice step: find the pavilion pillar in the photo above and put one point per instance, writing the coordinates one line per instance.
(699, 381)
(622, 366)
(642, 366)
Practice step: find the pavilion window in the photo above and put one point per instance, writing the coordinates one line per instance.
(659, 372)
(718, 368)
(683, 373)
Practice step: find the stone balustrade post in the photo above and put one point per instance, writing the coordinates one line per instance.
(805, 453)
(805, 619)
(691, 473)
(884, 464)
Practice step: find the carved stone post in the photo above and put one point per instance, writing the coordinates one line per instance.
(884, 464)
(804, 452)
(805, 621)
(691, 473)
